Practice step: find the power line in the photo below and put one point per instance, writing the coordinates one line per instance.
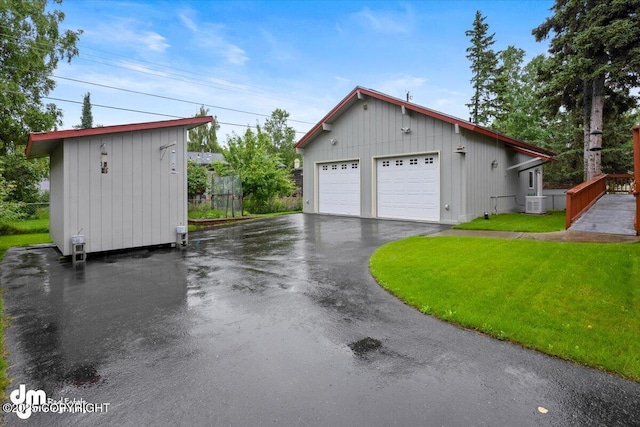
(111, 107)
(114, 108)
(230, 84)
(171, 98)
(157, 74)
(161, 74)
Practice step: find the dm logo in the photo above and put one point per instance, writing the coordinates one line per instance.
(26, 400)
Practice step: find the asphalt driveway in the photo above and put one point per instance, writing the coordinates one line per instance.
(273, 322)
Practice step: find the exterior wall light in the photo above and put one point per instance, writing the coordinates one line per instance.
(173, 162)
(104, 166)
(333, 141)
(494, 164)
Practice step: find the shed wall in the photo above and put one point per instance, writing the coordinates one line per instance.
(139, 202)
(57, 197)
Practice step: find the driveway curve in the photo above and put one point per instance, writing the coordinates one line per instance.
(274, 322)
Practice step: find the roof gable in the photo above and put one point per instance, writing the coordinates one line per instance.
(360, 93)
(42, 143)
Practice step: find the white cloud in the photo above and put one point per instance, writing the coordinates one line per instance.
(385, 21)
(126, 33)
(133, 66)
(188, 22)
(211, 37)
(153, 41)
(399, 85)
(279, 52)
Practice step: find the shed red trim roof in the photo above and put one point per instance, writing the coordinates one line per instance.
(59, 135)
(359, 91)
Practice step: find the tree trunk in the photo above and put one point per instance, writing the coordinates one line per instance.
(597, 107)
(586, 115)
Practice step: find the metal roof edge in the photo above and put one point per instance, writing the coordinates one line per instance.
(58, 135)
(359, 91)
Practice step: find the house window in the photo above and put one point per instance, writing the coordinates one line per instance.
(413, 161)
(354, 166)
(385, 163)
(325, 167)
(334, 167)
(428, 160)
(398, 162)
(344, 166)
(531, 180)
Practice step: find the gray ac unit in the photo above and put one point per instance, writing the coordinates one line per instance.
(535, 205)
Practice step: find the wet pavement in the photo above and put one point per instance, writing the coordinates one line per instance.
(274, 322)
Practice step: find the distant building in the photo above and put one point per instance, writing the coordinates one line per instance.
(204, 159)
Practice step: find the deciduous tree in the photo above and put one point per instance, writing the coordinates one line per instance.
(31, 45)
(263, 178)
(282, 136)
(204, 138)
(197, 179)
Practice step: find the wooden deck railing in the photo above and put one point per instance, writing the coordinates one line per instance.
(583, 196)
(619, 183)
(636, 172)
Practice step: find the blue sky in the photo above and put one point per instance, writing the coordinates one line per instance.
(243, 59)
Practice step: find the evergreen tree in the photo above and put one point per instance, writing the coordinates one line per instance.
(483, 68)
(87, 117)
(86, 120)
(595, 54)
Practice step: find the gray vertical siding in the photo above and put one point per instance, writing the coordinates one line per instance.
(467, 181)
(137, 203)
(57, 199)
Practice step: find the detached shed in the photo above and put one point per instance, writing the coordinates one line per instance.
(376, 156)
(119, 187)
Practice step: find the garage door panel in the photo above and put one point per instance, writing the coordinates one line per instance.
(408, 187)
(339, 188)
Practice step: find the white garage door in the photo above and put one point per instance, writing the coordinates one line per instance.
(409, 187)
(339, 188)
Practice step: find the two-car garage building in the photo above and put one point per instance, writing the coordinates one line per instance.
(376, 156)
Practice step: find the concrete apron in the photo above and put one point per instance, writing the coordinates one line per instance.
(273, 322)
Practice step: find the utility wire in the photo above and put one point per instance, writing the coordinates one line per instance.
(111, 107)
(171, 99)
(163, 74)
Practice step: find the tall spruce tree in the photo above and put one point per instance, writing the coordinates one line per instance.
(595, 53)
(86, 121)
(484, 63)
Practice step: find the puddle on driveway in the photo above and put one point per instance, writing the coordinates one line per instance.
(82, 375)
(365, 345)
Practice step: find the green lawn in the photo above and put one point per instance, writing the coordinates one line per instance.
(578, 301)
(551, 221)
(28, 226)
